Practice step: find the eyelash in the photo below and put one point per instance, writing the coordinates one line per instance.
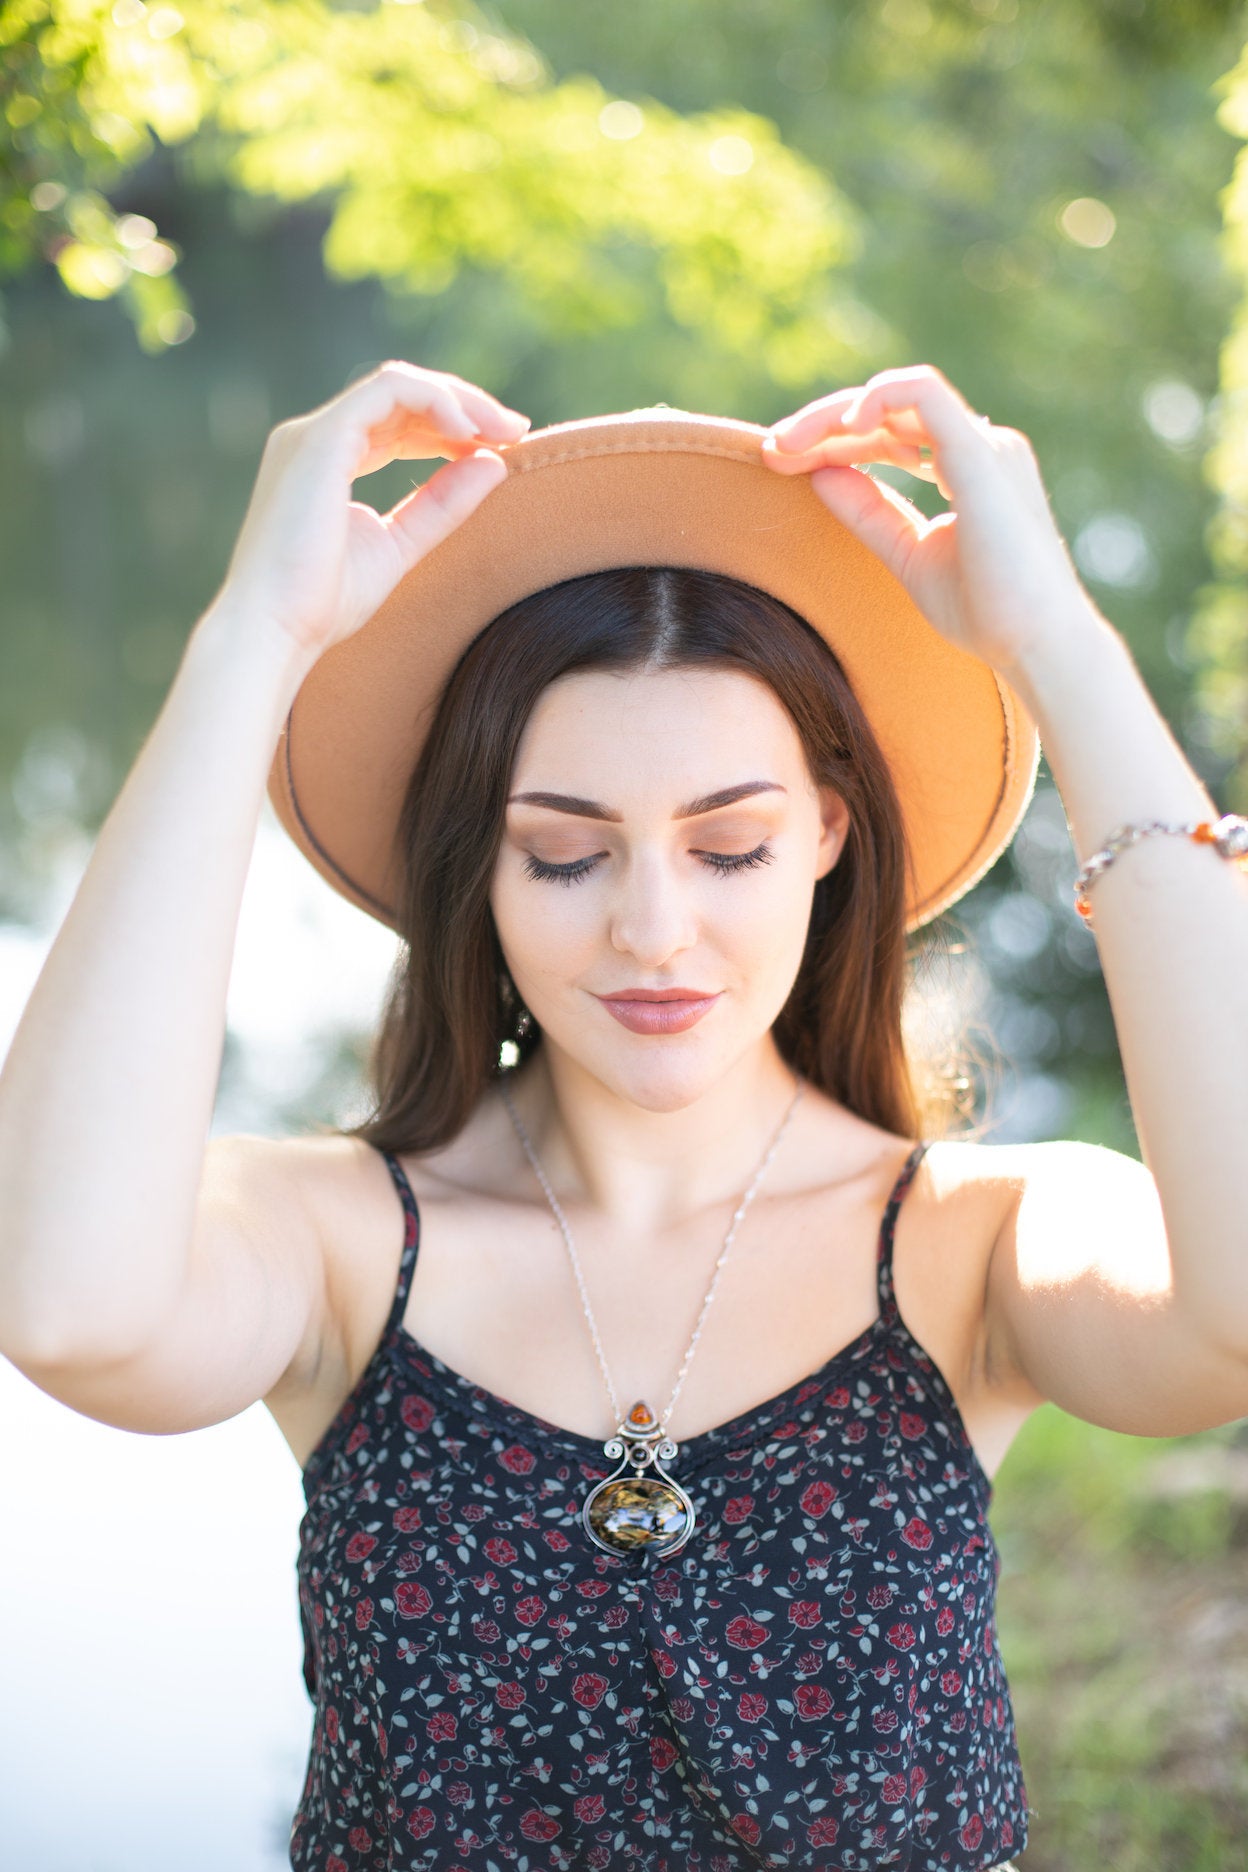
(722, 862)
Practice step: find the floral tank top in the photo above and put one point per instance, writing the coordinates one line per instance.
(812, 1681)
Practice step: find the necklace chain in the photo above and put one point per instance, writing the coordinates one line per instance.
(733, 1226)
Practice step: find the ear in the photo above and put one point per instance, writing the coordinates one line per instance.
(834, 823)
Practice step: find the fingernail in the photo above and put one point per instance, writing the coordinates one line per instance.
(782, 436)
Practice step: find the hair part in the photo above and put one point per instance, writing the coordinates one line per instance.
(451, 1007)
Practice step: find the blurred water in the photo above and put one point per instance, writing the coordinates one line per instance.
(153, 1714)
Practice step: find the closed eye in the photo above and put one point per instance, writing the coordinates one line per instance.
(723, 862)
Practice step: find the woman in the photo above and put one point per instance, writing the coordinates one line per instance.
(583, 1585)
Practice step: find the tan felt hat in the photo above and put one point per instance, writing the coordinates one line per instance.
(654, 486)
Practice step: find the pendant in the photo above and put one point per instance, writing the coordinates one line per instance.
(625, 1511)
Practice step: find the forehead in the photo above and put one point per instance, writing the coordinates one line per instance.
(671, 725)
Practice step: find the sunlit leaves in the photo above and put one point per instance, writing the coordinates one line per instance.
(437, 144)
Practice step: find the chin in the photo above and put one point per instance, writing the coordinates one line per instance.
(659, 1074)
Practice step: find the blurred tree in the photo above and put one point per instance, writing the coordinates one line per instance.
(1219, 634)
(439, 143)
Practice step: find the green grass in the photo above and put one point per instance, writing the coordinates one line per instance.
(1123, 1611)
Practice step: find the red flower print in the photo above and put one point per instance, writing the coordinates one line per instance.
(812, 1701)
(916, 1533)
(918, 1779)
(363, 1614)
(666, 1586)
(751, 1707)
(804, 1613)
(737, 1509)
(589, 1689)
(416, 1412)
(664, 1662)
(420, 1822)
(335, 1864)
(951, 1683)
(358, 1435)
(407, 1520)
(879, 1596)
(662, 1753)
(823, 1832)
(746, 1827)
(382, 1743)
(592, 1588)
(519, 1461)
(485, 1630)
(510, 1695)
(615, 1616)
(817, 1498)
(411, 1599)
(972, 1833)
(441, 1726)
(500, 1551)
(536, 1825)
(556, 1540)
(745, 1633)
(331, 1723)
(855, 1432)
(360, 1838)
(530, 1609)
(589, 1807)
(459, 1792)
(1007, 1834)
(901, 1636)
(945, 1621)
(360, 1546)
(884, 1721)
(838, 1399)
(893, 1790)
(910, 1425)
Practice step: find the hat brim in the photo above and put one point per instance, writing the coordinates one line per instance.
(652, 487)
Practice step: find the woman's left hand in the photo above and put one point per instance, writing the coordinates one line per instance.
(993, 575)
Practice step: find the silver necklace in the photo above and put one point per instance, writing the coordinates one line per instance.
(639, 1504)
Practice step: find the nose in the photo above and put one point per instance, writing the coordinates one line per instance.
(652, 916)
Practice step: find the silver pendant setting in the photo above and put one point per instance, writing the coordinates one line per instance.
(639, 1504)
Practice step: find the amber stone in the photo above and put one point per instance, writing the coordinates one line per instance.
(636, 1511)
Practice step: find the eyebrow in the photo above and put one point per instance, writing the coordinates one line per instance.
(590, 809)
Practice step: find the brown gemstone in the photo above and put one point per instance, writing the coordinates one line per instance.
(640, 1414)
(636, 1511)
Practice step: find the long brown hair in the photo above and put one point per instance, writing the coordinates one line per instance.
(450, 1006)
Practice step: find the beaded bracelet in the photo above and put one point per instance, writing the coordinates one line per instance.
(1228, 836)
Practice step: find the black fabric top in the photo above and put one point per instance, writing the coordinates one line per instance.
(814, 1680)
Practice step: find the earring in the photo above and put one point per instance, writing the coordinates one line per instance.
(523, 1023)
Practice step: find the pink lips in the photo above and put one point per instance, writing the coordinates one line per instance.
(658, 1010)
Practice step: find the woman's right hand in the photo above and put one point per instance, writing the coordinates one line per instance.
(314, 564)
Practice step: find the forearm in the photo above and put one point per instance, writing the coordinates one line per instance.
(107, 1091)
(1171, 928)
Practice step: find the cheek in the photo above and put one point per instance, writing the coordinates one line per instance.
(541, 926)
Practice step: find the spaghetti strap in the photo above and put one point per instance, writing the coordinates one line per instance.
(411, 1241)
(884, 1267)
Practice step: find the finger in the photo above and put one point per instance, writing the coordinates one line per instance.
(923, 398)
(398, 410)
(484, 414)
(838, 451)
(423, 518)
(884, 520)
(826, 421)
(480, 404)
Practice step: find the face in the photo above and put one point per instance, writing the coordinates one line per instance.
(662, 831)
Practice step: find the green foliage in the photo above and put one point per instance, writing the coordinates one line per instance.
(1219, 630)
(439, 144)
(1122, 1629)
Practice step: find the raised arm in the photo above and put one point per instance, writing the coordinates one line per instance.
(107, 1092)
(1119, 1290)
